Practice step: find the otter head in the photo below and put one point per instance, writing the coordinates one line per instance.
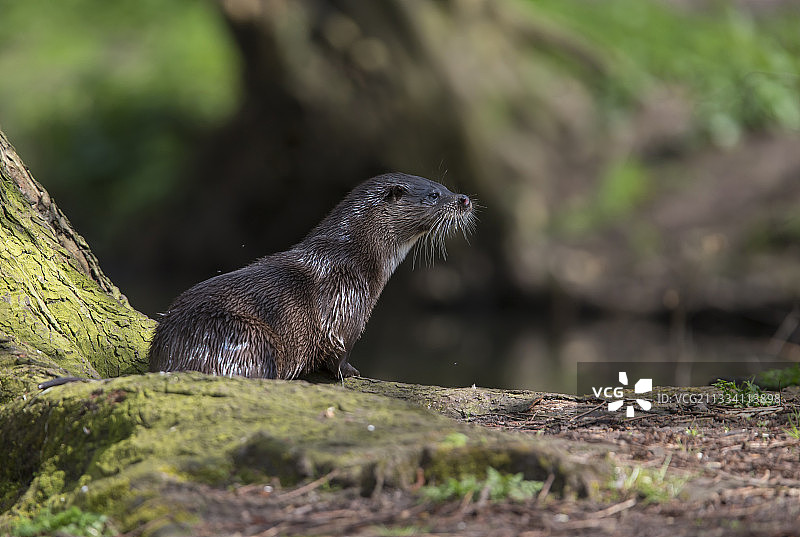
(405, 209)
(381, 219)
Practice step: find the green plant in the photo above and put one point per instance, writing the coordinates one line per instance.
(794, 425)
(73, 521)
(744, 394)
(653, 486)
(693, 431)
(496, 486)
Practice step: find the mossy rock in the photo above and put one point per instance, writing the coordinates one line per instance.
(111, 446)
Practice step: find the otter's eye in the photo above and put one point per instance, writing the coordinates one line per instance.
(433, 196)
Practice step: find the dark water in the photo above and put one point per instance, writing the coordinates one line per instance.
(515, 350)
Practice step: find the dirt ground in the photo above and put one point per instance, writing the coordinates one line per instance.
(713, 470)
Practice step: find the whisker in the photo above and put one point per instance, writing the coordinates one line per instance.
(434, 241)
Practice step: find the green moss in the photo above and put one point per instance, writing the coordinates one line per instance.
(447, 461)
(112, 446)
(455, 440)
(20, 374)
(265, 456)
(444, 462)
(45, 297)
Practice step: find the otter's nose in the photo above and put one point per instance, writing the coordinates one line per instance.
(463, 201)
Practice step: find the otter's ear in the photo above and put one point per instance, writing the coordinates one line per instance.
(395, 192)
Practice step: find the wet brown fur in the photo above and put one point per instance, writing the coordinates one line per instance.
(302, 310)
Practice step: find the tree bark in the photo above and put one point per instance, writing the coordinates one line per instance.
(59, 314)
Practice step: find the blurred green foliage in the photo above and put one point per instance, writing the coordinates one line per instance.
(742, 68)
(72, 521)
(621, 189)
(778, 379)
(106, 99)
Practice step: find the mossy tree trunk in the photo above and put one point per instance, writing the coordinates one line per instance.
(59, 314)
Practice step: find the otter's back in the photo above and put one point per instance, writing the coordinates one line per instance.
(230, 324)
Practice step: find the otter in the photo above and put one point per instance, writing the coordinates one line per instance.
(294, 312)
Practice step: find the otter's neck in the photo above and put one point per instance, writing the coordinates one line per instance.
(373, 261)
(394, 256)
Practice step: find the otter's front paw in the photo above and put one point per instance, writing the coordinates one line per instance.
(347, 370)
